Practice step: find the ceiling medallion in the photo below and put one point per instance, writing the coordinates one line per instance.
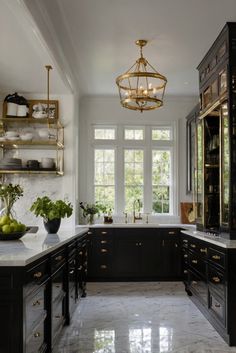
(141, 87)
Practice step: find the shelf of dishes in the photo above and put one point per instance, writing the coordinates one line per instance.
(9, 165)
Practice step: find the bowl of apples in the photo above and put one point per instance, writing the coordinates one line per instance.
(11, 229)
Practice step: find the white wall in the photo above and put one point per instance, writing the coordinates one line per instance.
(56, 187)
(107, 110)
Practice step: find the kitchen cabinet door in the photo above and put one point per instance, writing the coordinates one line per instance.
(171, 257)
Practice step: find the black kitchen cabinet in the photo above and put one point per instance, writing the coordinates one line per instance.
(209, 278)
(35, 300)
(134, 254)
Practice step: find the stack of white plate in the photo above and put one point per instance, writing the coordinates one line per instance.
(11, 163)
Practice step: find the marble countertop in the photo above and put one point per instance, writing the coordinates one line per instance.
(219, 241)
(32, 246)
(140, 225)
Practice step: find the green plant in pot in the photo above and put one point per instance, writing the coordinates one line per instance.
(106, 210)
(89, 210)
(51, 212)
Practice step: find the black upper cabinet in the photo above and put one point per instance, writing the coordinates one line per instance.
(215, 192)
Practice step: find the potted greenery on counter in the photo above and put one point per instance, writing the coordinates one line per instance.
(51, 212)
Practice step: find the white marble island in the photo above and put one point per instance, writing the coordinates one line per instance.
(32, 246)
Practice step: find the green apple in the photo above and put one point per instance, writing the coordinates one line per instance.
(4, 220)
(6, 229)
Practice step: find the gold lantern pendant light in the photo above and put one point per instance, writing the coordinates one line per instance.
(141, 87)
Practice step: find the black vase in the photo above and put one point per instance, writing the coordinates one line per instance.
(53, 225)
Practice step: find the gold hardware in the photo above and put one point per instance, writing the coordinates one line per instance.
(171, 232)
(217, 305)
(80, 268)
(81, 253)
(216, 257)
(176, 245)
(37, 274)
(185, 256)
(59, 258)
(194, 282)
(71, 272)
(103, 250)
(89, 233)
(103, 241)
(103, 267)
(141, 87)
(185, 272)
(140, 244)
(103, 232)
(37, 302)
(216, 279)
(193, 246)
(37, 334)
(204, 250)
(194, 261)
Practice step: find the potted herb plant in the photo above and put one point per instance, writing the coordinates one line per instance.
(107, 213)
(51, 212)
(89, 210)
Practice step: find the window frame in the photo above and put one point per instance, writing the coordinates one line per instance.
(147, 145)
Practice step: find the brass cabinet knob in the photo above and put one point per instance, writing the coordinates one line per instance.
(185, 256)
(59, 258)
(194, 261)
(171, 232)
(216, 257)
(216, 279)
(103, 232)
(81, 253)
(103, 241)
(89, 233)
(37, 334)
(104, 250)
(103, 267)
(185, 272)
(37, 302)
(203, 250)
(37, 274)
(193, 246)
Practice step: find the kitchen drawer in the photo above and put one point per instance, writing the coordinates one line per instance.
(199, 286)
(185, 242)
(216, 280)
(58, 259)
(35, 342)
(35, 276)
(35, 309)
(199, 248)
(58, 318)
(217, 257)
(197, 264)
(217, 307)
(71, 249)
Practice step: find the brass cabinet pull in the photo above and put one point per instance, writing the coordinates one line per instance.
(194, 282)
(216, 279)
(217, 305)
(185, 272)
(203, 250)
(80, 268)
(185, 256)
(176, 245)
(185, 240)
(89, 233)
(103, 250)
(193, 246)
(81, 253)
(137, 244)
(103, 241)
(171, 232)
(140, 244)
(103, 232)
(37, 334)
(37, 274)
(71, 272)
(59, 258)
(194, 261)
(216, 257)
(37, 302)
(103, 267)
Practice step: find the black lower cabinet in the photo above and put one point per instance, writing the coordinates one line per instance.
(210, 281)
(134, 254)
(37, 300)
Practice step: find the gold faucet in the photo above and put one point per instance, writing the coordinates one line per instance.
(134, 212)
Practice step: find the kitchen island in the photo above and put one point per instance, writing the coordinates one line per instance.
(42, 278)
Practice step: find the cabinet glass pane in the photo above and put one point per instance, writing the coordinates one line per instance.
(225, 166)
(199, 172)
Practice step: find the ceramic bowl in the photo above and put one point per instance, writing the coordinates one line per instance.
(43, 133)
(12, 134)
(26, 137)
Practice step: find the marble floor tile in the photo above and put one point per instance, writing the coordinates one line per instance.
(142, 317)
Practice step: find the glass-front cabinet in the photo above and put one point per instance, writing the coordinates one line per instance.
(215, 159)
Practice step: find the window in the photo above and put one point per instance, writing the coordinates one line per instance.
(161, 134)
(133, 166)
(161, 170)
(104, 133)
(104, 176)
(133, 134)
(128, 163)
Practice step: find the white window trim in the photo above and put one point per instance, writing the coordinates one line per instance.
(147, 144)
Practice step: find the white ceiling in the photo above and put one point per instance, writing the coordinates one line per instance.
(96, 38)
